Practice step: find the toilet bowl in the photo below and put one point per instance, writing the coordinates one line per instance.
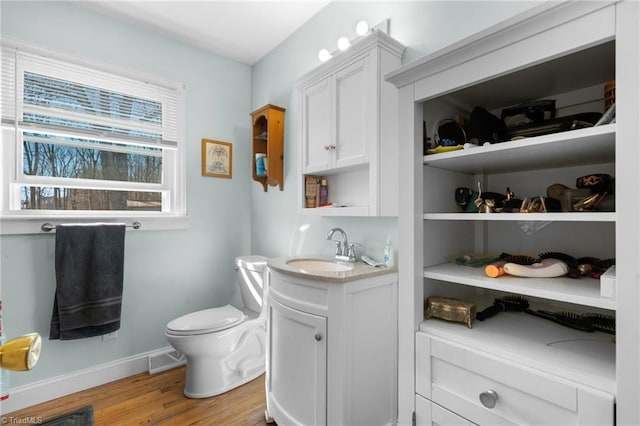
(225, 346)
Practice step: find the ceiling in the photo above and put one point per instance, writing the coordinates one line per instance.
(241, 30)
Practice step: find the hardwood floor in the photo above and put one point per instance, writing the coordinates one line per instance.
(155, 400)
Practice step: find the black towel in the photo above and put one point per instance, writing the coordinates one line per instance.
(89, 263)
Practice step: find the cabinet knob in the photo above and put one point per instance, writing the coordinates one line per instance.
(318, 337)
(327, 147)
(489, 398)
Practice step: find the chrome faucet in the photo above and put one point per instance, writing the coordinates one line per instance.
(344, 250)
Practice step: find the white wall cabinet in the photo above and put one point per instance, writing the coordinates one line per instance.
(336, 119)
(566, 51)
(332, 351)
(348, 128)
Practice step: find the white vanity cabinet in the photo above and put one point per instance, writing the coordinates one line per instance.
(348, 128)
(332, 349)
(298, 361)
(541, 372)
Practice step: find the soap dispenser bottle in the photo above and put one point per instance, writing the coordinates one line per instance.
(388, 257)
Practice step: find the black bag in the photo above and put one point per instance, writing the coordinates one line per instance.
(484, 127)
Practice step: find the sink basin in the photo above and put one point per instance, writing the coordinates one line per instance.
(319, 265)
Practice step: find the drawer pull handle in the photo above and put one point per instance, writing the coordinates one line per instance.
(318, 337)
(489, 398)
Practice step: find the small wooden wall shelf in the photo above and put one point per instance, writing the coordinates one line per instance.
(268, 138)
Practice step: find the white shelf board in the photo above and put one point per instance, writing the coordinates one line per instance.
(581, 291)
(592, 145)
(583, 357)
(526, 217)
(336, 211)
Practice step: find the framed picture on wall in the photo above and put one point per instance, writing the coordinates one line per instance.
(217, 158)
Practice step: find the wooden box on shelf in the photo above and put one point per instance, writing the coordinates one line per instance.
(267, 146)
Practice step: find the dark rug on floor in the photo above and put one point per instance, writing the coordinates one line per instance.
(80, 417)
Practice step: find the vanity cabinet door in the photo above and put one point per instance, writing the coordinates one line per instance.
(430, 414)
(297, 358)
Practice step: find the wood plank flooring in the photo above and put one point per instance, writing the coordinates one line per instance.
(156, 399)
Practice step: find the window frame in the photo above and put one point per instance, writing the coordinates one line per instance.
(17, 221)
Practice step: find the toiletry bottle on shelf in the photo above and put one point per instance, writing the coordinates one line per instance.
(261, 163)
(388, 257)
(324, 192)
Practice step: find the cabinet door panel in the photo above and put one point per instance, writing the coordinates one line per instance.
(317, 127)
(297, 365)
(430, 414)
(351, 114)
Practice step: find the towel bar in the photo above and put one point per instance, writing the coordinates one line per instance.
(47, 227)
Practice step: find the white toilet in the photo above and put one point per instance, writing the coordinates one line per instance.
(225, 347)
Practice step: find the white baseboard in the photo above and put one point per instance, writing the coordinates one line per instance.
(55, 387)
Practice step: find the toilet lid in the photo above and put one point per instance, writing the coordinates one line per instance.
(206, 321)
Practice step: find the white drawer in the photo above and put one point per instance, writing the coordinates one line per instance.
(430, 414)
(455, 376)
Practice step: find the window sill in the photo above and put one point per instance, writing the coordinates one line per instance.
(16, 225)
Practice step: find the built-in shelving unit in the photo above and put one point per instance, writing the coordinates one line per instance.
(563, 51)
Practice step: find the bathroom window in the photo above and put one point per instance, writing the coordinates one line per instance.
(82, 142)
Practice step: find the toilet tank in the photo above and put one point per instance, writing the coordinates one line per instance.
(251, 272)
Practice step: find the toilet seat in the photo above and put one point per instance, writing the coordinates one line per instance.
(205, 321)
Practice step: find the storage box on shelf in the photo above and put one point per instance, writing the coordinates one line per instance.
(565, 52)
(349, 129)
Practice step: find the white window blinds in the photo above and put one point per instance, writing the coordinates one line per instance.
(49, 94)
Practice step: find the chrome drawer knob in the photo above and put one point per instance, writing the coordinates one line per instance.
(489, 398)
(318, 337)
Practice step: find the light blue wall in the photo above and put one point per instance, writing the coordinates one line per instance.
(423, 27)
(167, 273)
(173, 272)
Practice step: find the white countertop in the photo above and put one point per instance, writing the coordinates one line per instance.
(360, 270)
